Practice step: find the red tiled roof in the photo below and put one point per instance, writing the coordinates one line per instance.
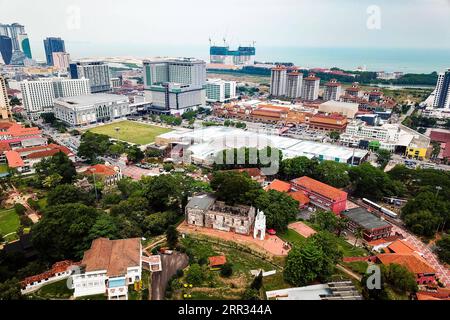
(321, 188)
(4, 146)
(278, 185)
(400, 246)
(114, 256)
(14, 159)
(252, 172)
(411, 261)
(217, 261)
(440, 136)
(58, 267)
(299, 196)
(101, 169)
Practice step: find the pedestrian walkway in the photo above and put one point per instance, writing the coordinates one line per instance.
(442, 272)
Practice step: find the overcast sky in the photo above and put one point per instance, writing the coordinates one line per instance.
(310, 23)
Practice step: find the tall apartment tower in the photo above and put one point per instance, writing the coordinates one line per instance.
(294, 84)
(310, 90)
(5, 108)
(442, 95)
(332, 90)
(96, 71)
(38, 95)
(53, 45)
(278, 81)
(20, 44)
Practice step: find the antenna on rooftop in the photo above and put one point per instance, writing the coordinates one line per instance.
(224, 41)
(210, 41)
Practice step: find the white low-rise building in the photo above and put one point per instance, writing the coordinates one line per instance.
(90, 109)
(109, 266)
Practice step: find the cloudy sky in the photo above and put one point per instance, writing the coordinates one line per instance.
(302, 23)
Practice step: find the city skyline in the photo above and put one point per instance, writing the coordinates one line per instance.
(380, 24)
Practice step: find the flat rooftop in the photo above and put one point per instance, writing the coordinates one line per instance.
(365, 219)
(90, 99)
(206, 142)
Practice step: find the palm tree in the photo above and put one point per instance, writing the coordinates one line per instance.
(358, 234)
(341, 225)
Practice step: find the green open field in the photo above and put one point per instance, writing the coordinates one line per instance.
(131, 131)
(9, 221)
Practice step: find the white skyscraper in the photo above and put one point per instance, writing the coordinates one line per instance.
(332, 90)
(218, 90)
(310, 89)
(96, 71)
(442, 95)
(294, 84)
(278, 81)
(38, 95)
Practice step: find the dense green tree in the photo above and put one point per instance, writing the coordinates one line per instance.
(162, 192)
(59, 164)
(335, 135)
(93, 145)
(370, 182)
(63, 231)
(423, 222)
(257, 282)
(332, 173)
(325, 220)
(226, 270)
(297, 167)
(68, 193)
(172, 235)
(443, 249)
(20, 209)
(157, 223)
(10, 290)
(383, 157)
(105, 226)
(399, 278)
(195, 274)
(304, 264)
(279, 208)
(233, 187)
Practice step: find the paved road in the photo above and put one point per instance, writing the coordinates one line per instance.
(170, 265)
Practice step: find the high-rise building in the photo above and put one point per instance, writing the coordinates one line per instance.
(294, 85)
(218, 90)
(6, 49)
(184, 71)
(61, 60)
(175, 85)
(310, 90)
(19, 41)
(24, 45)
(278, 79)
(332, 90)
(96, 71)
(38, 95)
(241, 56)
(5, 109)
(442, 94)
(51, 45)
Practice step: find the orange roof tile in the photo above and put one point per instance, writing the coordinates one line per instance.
(217, 261)
(400, 246)
(411, 261)
(101, 169)
(114, 256)
(278, 185)
(299, 196)
(321, 188)
(14, 159)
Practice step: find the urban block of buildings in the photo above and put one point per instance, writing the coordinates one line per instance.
(202, 145)
(53, 45)
(89, 109)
